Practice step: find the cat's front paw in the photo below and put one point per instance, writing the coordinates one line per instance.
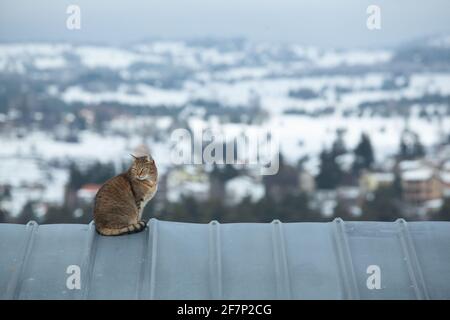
(143, 223)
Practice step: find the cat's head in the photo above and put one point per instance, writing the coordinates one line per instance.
(143, 167)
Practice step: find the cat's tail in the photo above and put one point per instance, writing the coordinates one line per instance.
(132, 228)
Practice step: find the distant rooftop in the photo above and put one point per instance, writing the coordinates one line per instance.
(172, 260)
(418, 175)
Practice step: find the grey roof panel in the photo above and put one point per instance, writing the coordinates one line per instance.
(172, 260)
(379, 244)
(312, 258)
(432, 244)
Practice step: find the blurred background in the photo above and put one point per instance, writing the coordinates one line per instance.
(363, 116)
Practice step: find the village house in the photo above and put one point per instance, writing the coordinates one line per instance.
(445, 181)
(421, 185)
(87, 192)
(371, 181)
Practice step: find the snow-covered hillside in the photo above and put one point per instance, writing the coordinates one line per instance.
(305, 94)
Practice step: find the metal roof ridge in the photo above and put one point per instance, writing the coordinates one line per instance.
(281, 262)
(89, 260)
(345, 262)
(246, 223)
(215, 260)
(154, 239)
(412, 261)
(15, 283)
(143, 281)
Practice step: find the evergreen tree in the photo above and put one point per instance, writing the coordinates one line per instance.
(330, 173)
(383, 206)
(224, 173)
(364, 156)
(3, 216)
(96, 173)
(338, 148)
(444, 213)
(286, 181)
(75, 177)
(410, 146)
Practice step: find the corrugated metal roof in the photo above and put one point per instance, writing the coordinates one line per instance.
(172, 260)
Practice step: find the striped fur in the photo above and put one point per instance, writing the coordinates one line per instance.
(132, 228)
(121, 200)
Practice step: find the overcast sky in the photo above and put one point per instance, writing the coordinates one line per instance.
(325, 23)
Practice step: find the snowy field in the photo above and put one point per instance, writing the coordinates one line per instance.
(307, 94)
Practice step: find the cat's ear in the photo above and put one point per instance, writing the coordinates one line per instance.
(149, 159)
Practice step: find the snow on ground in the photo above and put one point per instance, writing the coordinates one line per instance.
(181, 54)
(437, 83)
(128, 124)
(243, 73)
(45, 63)
(91, 147)
(20, 172)
(104, 57)
(298, 135)
(15, 57)
(440, 42)
(31, 180)
(234, 83)
(140, 95)
(352, 58)
(417, 175)
(238, 188)
(43, 145)
(274, 93)
(261, 74)
(301, 136)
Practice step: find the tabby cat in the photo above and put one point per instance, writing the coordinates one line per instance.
(120, 201)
